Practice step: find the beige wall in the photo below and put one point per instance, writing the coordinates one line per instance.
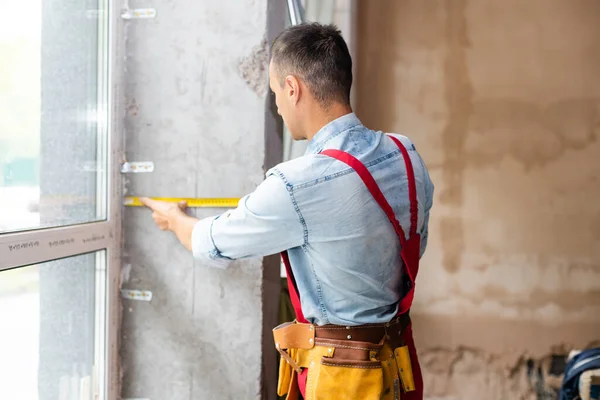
(502, 98)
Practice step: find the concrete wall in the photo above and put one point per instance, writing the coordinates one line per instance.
(197, 106)
(503, 101)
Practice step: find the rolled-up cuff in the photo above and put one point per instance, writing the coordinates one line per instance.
(203, 245)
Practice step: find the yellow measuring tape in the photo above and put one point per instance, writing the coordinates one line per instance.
(206, 202)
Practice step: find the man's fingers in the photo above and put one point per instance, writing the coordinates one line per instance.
(148, 202)
(183, 205)
(155, 205)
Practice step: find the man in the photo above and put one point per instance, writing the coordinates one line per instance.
(350, 217)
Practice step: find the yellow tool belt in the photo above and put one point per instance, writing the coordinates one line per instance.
(363, 362)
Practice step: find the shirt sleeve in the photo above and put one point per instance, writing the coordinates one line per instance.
(429, 189)
(265, 222)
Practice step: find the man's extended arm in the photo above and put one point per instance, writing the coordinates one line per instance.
(265, 222)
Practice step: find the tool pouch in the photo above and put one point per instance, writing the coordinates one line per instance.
(391, 376)
(404, 365)
(340, 369)
(340, 379)
(397, 372)
(287, 376)
(290, 338)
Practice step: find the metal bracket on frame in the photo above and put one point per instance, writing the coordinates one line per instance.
(136, 167)
(139, 13)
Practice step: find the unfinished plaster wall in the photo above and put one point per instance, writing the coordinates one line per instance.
(503, 101)
(197, 106)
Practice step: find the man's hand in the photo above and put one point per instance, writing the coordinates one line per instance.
(172, 217)
(165, 214)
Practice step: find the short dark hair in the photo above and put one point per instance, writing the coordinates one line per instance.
(318, 55)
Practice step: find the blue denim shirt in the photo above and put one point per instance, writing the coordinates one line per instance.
(344, 252)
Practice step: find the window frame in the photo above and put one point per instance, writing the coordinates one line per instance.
(37, 246)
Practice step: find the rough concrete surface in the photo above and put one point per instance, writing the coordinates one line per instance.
(195, 90)
(503, 101)
(254, 67)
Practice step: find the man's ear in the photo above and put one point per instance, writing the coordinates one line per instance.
(292, 88)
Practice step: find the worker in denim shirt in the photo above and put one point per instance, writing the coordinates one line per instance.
(341, 230)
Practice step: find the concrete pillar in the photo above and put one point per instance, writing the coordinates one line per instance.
(198, 107)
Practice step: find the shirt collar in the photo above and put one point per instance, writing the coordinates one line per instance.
(330, 131)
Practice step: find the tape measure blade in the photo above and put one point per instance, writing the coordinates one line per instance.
(133, 202)
(216, 202)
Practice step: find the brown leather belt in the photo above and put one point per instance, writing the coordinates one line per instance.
(372, 333)
(360, 343)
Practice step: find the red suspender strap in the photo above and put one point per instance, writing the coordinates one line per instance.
(412, 187)
(293, 289)
(411, 250)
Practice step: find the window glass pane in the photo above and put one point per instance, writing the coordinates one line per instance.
(52, 113)
(52, 336)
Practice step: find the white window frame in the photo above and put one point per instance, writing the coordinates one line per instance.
(23, 248)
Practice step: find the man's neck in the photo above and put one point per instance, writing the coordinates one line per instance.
(323, 117)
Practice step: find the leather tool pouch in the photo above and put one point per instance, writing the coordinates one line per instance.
(286, 375)
(391, 375)
(405, 368)
(341, 369)
(397, 372)
(344, 369)
(344, 380)
(289, 338)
